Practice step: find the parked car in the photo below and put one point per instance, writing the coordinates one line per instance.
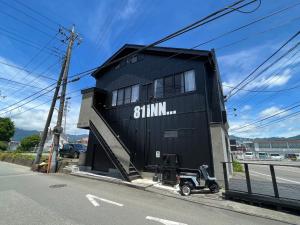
(248, 155)
(72, 150)
(291, 156)
(262, 155)
(276, 156)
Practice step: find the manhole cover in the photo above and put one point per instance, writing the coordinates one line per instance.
(57, 185)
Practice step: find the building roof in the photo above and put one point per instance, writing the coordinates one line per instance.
(166, 51)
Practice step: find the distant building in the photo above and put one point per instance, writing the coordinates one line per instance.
(83, 140)
(13, 145)
(278, 145)
(266, 145)
(49, 141)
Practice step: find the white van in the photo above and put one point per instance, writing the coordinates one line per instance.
(248, 155)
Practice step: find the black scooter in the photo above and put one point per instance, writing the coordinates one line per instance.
(190, 179)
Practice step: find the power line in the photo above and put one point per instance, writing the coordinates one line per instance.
(16, 37)
(48, 101)
(20, 83)
(27, 24)
(266, 85)
(29, 16)
(38, 13)
(177, 33)
(247, 25)
(285, 109)
(32, 58)
(25, 70)
(211, 17)
(272, 122)
(232, 93)
(251, 11)
(47, 91)
(251, 35)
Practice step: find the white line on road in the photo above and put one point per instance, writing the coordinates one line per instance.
(163, 221)
(278, 178)
(92, 199)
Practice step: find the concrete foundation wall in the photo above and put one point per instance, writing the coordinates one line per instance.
(220, 150)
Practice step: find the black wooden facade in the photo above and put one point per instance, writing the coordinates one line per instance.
(182, 129)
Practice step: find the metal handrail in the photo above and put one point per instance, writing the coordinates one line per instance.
(265, 164)
(247, 175)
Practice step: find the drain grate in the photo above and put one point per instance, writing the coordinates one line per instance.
(57, 185)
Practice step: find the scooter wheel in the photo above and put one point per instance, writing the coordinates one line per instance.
(214, 187)
(186, 189)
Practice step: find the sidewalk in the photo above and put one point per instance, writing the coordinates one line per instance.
(201, 197)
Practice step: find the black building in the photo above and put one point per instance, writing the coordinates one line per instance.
(159, 101)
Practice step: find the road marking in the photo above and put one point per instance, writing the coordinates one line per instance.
(92, 199)
(163, 221)
(278, 178)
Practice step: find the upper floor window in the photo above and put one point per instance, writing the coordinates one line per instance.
(175, 84)
(114, 98)
(125, 95)
(159, 88)
(135, 93)
(120, 98)
(189, 81)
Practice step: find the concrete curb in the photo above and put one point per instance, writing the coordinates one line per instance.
(110, 180)
(234, 207)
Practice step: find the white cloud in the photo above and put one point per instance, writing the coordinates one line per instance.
(108, 22)
(129, 9)
(246, 108)
(272, 111)
(29, 116)
(236, 66)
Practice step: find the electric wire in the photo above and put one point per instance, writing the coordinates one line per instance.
(211, 17)
(283, 110)
(175, 34)
(251, 11)
(266, 85)
(29, 16)
(234, 91)
(40, 14)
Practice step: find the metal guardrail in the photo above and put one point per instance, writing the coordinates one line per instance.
(258, 189)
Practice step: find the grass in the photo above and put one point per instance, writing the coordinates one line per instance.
(18, 156)
(237, 167)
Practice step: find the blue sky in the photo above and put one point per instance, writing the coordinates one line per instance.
(107, 25)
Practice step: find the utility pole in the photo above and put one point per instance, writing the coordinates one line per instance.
(58, 128)
(62, 75)
(65, 115)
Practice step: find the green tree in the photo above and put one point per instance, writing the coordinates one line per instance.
(29, 142)
(3, 146)
(7, 129)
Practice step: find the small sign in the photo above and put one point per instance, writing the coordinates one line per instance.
(157, 154)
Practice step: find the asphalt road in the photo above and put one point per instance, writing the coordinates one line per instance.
(30, 198)
(288, 179)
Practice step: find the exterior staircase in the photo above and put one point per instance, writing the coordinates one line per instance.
(107, 138)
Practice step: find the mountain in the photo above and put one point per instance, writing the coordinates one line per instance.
(264, 139)
(20, 134)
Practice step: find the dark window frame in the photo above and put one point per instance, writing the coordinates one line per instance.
(174, 90)
(123, 99)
